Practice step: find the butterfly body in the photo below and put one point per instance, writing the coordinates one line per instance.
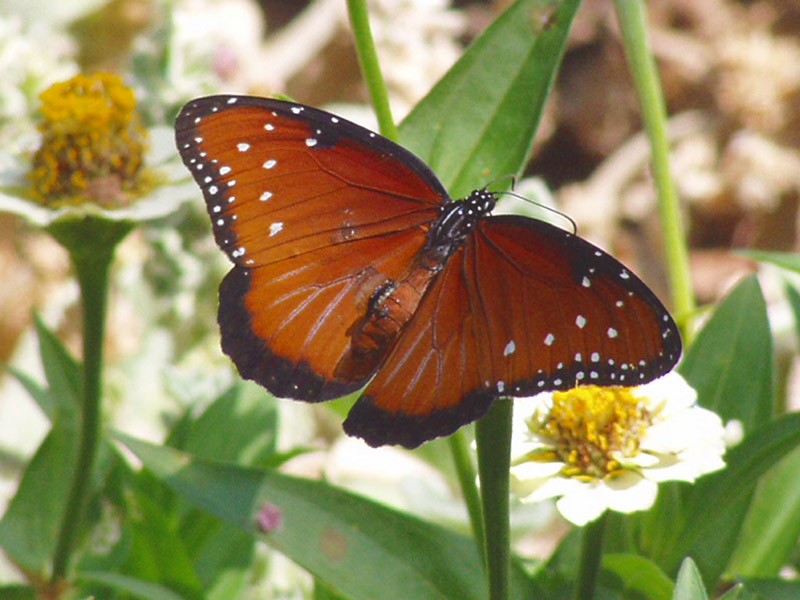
(353, 267)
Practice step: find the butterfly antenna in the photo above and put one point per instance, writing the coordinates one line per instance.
(543, 207)
(510, 176)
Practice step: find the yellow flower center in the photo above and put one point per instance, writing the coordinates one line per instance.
(92, 143)
(589, 426)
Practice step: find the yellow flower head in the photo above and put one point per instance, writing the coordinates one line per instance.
(92, 144)
(590, 426)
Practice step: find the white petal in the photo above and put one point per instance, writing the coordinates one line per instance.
(583, 505)
(631, 492)
(557, 486)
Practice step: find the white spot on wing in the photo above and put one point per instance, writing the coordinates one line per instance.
(612, 333)
(311, 142)
(580, 321)
(275, 228)
(510, 348)
(265, 196)
(549, 339)
(243, 147)
(268, 164)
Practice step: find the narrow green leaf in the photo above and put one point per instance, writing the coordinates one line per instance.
(725, 490)
(17, 592)
(794, 302)
(158, 552)
(359, 548)
(773, 589)
(479, 121)
(28, 527)
(41, 395)
(771, 529)
(730, 363)
(145, 590)
(640, 575)
(62, 371)
(730, 366)
(785, 260)
(689, 585)
(240, 426)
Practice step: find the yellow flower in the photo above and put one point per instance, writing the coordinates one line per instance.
(92, 144)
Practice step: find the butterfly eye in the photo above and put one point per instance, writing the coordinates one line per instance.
(353, 268)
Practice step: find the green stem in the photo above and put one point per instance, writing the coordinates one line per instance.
(91, 244)
(467, 480)
(365, 46)
(632, 18)
(493, 436)
(591, 556)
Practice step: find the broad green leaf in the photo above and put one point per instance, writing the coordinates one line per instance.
(771, 529)
(478, 123)
(359, 548)
(730, 363)
(137, 588)
(30, 524)
(689, 585)
(640, 575)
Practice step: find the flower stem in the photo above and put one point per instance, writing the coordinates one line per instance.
(632, 18)
(365, 46)
(91, 244)
(466, 479)
(591, 555)
(493, 436)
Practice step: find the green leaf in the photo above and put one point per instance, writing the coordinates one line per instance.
(771, 529)
(730, 363)
(29, 525)
(359, 548)
(478, 123)
(137, 588)
(158, 553)
(689, 585)
(785, 260)
(62, 371)
(773, 589)
(44, 399)
(640, 575)
(730, 366)
(17, 592)
(719, 495)
(794, 302)
(240, 426)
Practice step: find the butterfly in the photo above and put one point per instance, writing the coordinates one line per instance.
(353, 267)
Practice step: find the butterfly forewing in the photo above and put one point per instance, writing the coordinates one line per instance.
(316, 213)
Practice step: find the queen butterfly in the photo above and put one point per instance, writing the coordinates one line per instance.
(353, 267)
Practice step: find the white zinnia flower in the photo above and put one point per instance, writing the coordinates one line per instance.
(600, 448)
